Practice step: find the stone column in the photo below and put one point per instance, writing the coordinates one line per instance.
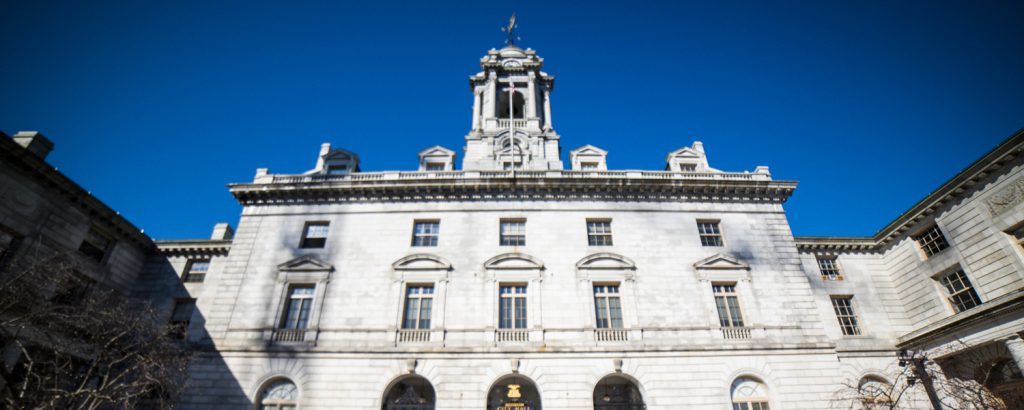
(1016, 348)
(547, 108)
(531, 99)
(476, 108)
(491, 91)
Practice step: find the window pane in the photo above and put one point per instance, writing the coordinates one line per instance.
(615, 311)
(520, 313)
(505, 313)
(425, 306)
(601, 307)
(411, 313)
(723, 313)
(734, 310)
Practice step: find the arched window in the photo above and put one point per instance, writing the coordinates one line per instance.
(410, 393)
(279, 394)
(518, 103)
(875, 393)
(513, 391)
(1003, 378)
(749, 393)
(617, 393)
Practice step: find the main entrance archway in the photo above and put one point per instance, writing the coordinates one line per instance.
(617, 393)
(409, 393)
(513, 392)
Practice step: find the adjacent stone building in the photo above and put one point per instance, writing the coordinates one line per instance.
(517, 281)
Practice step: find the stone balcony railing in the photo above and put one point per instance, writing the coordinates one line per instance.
(517, 123)
(551, 338)
(412, 336)
(611, 335)
(503, 174)
(288, 335)
(511, 336)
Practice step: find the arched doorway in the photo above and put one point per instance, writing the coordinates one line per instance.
(513, 392)
(409, 393)
(617, 393)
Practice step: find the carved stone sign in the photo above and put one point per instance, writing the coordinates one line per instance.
(1006, 198)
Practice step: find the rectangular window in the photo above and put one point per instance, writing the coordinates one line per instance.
(337, 169)
(829, 268)
(299, 307)
(588, 166)
(710, 233)
(843, 306)
(932, 241)
(95, 245)
(72, 288)
(418, 303)
(510, 165)
(425, 233)
(607, 306)
(1017, 234)
(195, 270)
(181, 316)
(599, 232)
(513, 232)
(314, 235)
(512, 307)
(728, 304)
(959, 291)
(435, 166)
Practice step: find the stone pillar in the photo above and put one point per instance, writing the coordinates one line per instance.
(547, 108)
(476, 108)
(1016, 348)
(531, 99)
(490, 91)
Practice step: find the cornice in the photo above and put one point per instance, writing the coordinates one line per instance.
(555, 185)
(1001, 306)
(194, 247)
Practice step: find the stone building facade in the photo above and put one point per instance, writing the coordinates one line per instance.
(517, 281)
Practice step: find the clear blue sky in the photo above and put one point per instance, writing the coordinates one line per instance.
(155, 105)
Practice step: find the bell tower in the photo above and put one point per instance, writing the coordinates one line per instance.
(511, 113)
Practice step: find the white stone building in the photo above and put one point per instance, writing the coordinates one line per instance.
(515, 281)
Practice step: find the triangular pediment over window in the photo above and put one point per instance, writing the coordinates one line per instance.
(721, 262)
(513, 261)
(422, 261)
(437, 150)
(606, 260)
(305, 263)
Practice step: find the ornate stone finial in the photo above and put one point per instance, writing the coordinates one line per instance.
(410, 365)
(515, 365)
(510, 29)
(618, 365)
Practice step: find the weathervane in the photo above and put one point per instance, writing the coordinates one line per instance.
(512, 26)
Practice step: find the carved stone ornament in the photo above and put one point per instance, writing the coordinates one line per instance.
(410, 365)
(618, 365)
(515, 365)
(1006, 198)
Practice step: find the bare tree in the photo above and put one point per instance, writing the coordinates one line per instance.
(70, 343)
(969, 378)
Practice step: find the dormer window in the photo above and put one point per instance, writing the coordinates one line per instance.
(437, 159)
(336, 161)
(588, 166)
(337, 169)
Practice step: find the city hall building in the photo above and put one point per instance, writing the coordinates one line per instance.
(505, 278)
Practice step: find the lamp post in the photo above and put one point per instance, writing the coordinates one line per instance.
(919, 372)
